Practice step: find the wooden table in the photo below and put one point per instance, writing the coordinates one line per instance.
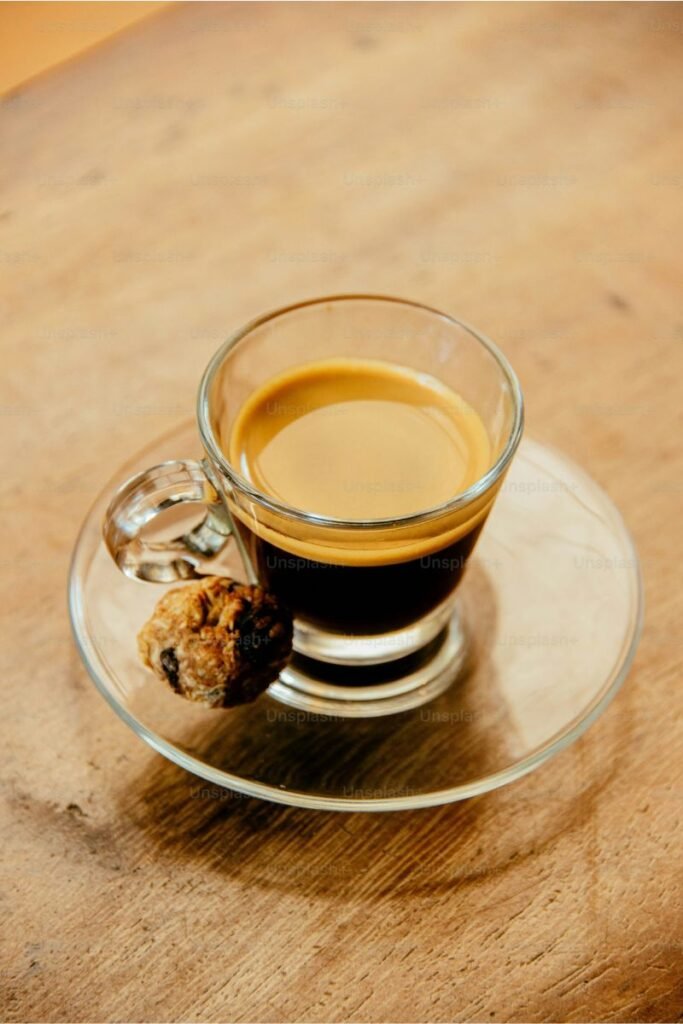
(519, 165)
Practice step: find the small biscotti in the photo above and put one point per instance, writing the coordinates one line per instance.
(217, 642)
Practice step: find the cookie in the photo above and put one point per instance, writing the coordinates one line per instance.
(217, 642)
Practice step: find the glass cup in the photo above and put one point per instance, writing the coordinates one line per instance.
(377, 590)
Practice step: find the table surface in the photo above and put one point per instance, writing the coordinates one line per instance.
(519, 165)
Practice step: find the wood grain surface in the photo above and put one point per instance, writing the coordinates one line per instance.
(516, 164)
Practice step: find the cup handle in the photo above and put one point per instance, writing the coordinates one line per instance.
(142, 498)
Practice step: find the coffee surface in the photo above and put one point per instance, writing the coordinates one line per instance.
(359, 439)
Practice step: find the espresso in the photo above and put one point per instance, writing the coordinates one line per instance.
(359, 600)
(359, 441)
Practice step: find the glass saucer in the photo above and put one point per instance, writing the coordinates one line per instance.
(551, 605)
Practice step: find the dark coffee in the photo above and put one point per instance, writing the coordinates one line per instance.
(358, 441)
(359, 599)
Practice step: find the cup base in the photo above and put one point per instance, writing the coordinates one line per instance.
(367, 689)
(354, 651)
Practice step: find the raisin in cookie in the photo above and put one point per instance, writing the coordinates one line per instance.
(217, 642)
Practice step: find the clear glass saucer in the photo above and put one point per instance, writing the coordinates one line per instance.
(551, 605)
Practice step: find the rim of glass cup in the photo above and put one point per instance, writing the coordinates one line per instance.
(459, 500)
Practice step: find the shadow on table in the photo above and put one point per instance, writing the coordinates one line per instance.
(404, 853)
(418, 853)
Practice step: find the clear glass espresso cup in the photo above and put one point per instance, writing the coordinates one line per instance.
(363, 592)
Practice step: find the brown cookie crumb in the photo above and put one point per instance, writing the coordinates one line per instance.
(217, 642)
